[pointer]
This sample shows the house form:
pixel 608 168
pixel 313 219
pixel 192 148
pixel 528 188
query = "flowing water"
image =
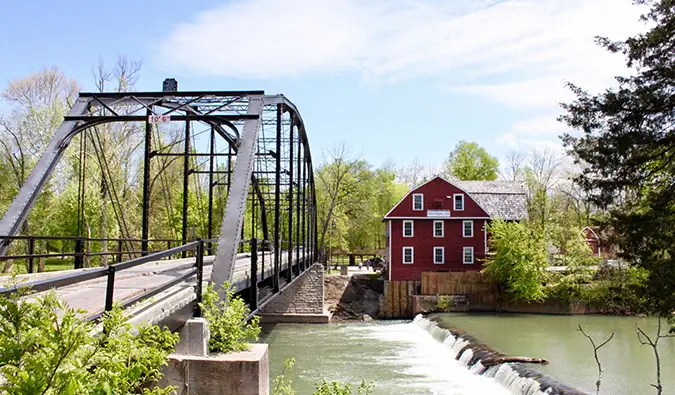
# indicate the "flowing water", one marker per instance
pixel 399 357
pixel 629 367
pixel 419 357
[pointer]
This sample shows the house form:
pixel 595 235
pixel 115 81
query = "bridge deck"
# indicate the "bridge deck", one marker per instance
pixel 129 283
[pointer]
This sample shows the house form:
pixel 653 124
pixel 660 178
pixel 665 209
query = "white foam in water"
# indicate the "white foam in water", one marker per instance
pixel 508 378
pixel 439 372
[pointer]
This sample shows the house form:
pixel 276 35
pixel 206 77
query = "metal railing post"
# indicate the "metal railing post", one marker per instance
pixel 254 275
pixel 79 251
pixel 31 252
pixel 200 276
pixel 110 289
pixel 119 251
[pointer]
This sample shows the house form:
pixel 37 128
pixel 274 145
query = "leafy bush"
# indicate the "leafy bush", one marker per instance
pixel 284 386
pixel 47 347
pixel 518 261
pixel 619 293
pixel 443 303
pixel 227 320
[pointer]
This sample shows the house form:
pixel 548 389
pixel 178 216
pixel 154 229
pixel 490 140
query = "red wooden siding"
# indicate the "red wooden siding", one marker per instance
pixel 424 242
pixel 437 189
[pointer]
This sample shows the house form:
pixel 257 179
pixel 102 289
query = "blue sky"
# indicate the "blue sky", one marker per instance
pixel 395 79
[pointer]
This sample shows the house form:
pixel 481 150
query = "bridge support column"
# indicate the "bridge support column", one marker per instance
pixel 302 301
pixel 194 338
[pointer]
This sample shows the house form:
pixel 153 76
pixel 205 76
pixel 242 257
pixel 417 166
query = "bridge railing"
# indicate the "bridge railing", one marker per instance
pixel 79 248
pixel 111 271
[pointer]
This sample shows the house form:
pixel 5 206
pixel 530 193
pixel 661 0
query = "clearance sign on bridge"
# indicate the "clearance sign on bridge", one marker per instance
pixel 159 118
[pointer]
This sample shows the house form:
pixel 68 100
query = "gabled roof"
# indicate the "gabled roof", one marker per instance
pixel 499 199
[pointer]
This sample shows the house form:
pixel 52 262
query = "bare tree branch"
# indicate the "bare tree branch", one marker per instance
pixel 595 354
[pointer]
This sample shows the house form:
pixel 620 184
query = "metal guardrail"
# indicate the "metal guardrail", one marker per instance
pixel 197 270
pixel 110 272
pixel 79 251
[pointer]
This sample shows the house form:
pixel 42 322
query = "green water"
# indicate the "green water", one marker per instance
pixel 399 357
pixel 629 366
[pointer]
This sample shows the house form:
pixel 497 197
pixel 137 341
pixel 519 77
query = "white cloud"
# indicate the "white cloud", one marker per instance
pixel 538 132
pixel 397 39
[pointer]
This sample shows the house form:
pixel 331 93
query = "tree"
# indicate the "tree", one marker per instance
pixel 519 260
pixel 470 161
pixel 628 149
pixel 514 169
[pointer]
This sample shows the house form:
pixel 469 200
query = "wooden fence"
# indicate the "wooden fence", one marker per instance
pixel 472 284
pixel 396 302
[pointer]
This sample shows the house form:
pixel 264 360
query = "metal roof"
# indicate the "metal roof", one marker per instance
pixel 501 199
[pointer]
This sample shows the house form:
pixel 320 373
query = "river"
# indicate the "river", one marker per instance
pixel 629 367
pixel 399 357
pixel 402 357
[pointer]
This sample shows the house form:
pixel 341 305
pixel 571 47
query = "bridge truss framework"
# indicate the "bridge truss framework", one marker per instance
pixel 268 172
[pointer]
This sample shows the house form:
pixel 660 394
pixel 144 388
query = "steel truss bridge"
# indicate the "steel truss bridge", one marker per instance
pixel 268 180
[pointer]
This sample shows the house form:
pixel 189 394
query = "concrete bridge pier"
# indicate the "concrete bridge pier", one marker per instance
pixel 193 371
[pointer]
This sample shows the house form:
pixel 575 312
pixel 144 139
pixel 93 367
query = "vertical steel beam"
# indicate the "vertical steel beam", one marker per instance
pixel 31 252
pixel 253 289
pixel 186 169
pixel 145 231
pixel 229 167
pixel 304 209
pixel 277 211
pixel 297 204
pixel 199 262
pixel 212 152
pixel 291 246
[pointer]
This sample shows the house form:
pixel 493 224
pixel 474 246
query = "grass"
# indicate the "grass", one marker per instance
pixel 51 265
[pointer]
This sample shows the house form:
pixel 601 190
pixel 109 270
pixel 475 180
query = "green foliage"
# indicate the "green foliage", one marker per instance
pixel 628 150
pixel 47 347
pixel 614 291
pixel 335 388
pixel 352 198
pixel 443 303
pixel 284 386
pixel 227 320
pixel 470 161
pixel 518 261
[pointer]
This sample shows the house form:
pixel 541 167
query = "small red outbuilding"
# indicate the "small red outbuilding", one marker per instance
pixel 440 225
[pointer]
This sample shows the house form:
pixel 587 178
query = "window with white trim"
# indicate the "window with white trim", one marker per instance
pixel 408 229
pixel 467 255
pixel 418 202
pixel 439 255
pixel 458 199
pixel 408 255
pixel 467 228
pixel 438 228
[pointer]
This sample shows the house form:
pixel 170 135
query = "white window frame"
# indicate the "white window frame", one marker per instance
pixel 464 228
pixel 421 195
pixel 442 228
pixel 412 228
pixel 454 202
pixel 464 250
pixel 412 255
pixel 442 249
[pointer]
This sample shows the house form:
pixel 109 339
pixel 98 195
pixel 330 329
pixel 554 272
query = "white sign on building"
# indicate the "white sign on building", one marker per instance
pixel 438 213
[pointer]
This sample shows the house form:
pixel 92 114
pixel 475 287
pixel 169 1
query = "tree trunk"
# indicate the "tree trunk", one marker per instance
pixel 500 360
pixel 41 265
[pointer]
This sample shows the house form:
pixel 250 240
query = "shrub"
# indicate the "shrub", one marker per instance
pixel 519 259
pixel 443 302
pixel 284 386
pixel 47 347
pixel 227 320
